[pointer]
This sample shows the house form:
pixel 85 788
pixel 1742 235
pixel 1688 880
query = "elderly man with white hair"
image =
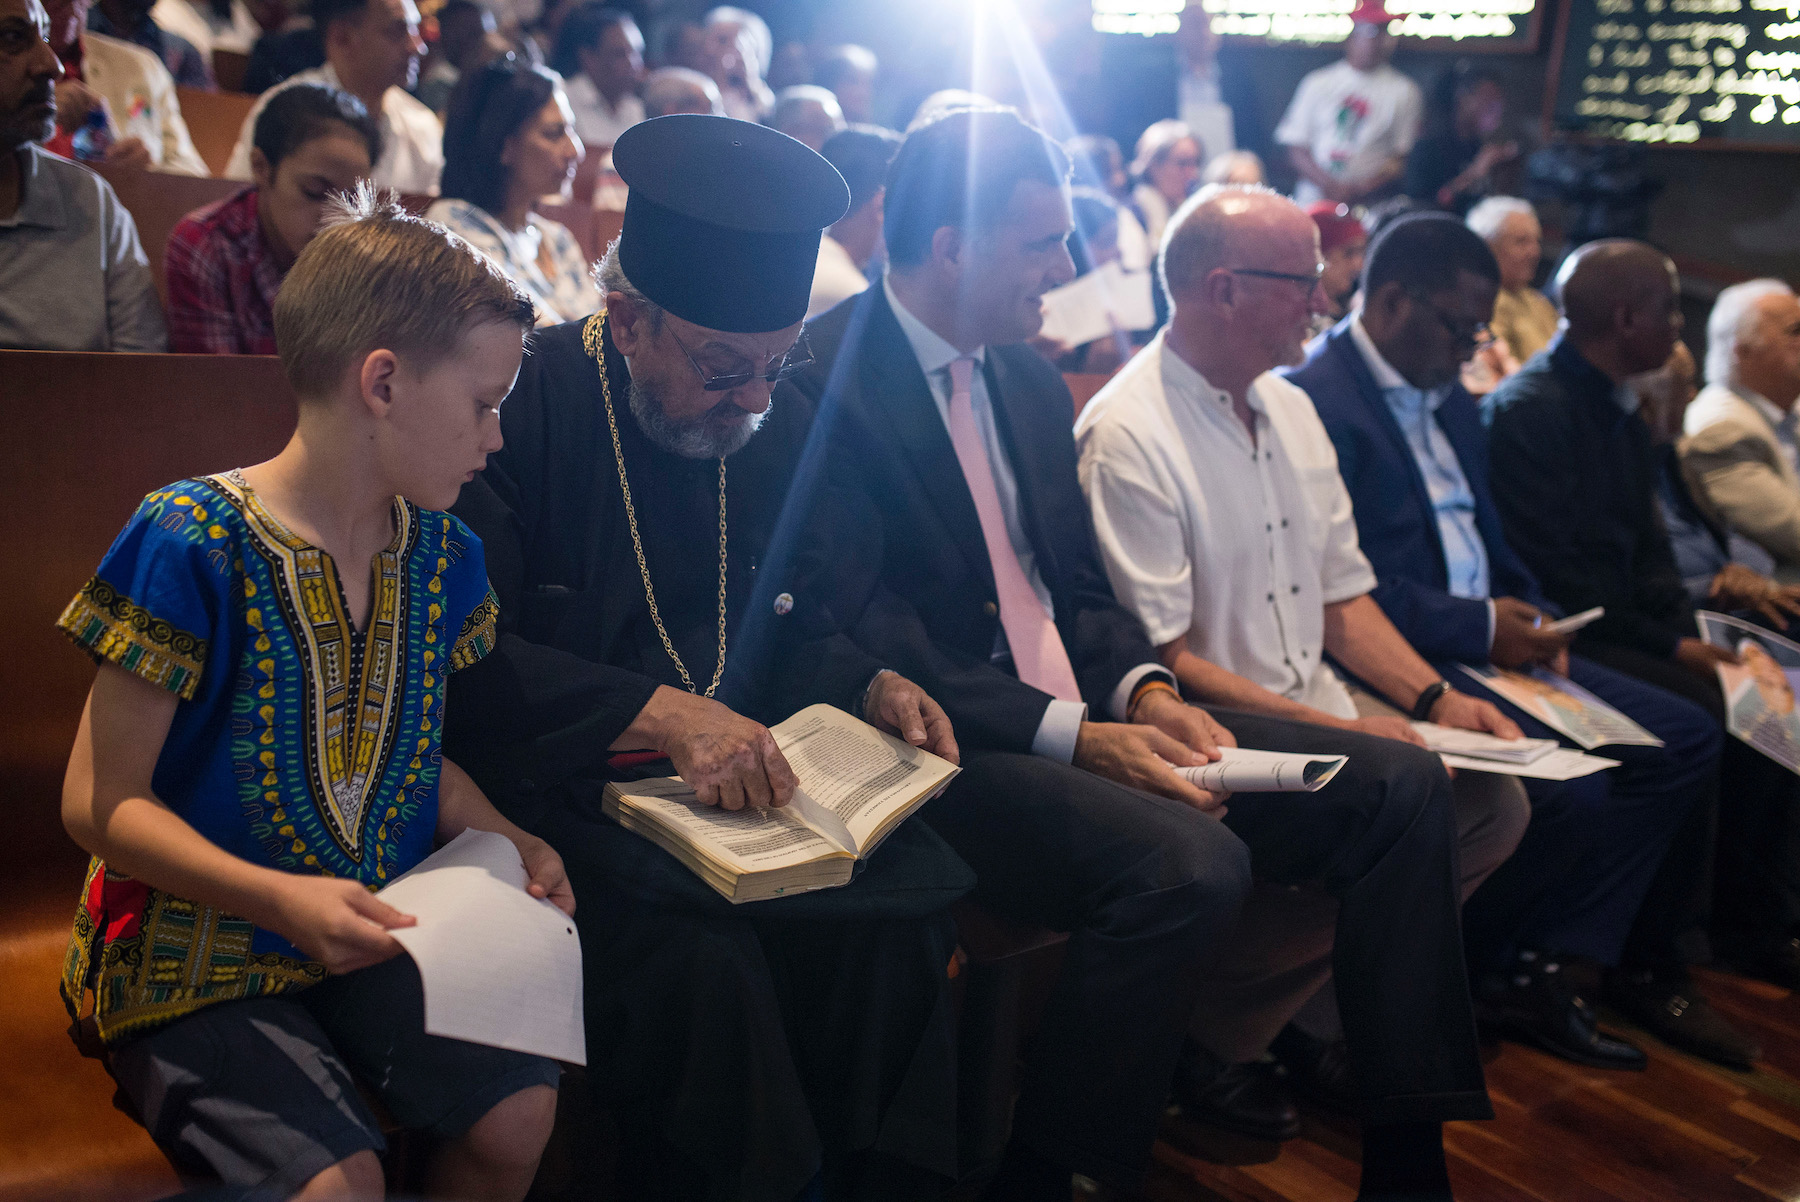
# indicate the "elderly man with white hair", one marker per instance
pixel 1524 318
pixel 1740 453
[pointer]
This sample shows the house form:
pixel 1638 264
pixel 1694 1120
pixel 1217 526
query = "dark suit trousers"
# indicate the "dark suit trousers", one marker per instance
pixel 1582 878
pixel 1382 839
pixel 1755 825
pixel 745 1048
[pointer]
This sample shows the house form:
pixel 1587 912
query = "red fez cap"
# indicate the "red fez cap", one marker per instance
pixel 1336 225
pixel 1370 12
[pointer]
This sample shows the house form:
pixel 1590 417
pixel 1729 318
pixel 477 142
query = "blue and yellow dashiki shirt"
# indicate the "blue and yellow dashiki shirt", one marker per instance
pixel 299 744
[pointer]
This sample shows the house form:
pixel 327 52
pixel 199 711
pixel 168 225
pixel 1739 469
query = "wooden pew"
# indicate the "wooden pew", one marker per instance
pixel 214 120
pixel 157 201
pixel 1083 386
pixel 96 432
pixel 593 228
pixel 229 68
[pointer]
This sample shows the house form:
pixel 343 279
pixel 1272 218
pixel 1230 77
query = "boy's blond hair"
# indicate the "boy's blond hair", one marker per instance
pixel 377 277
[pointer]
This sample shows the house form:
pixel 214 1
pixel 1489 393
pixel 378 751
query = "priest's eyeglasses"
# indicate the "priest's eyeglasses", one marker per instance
pixel 794 360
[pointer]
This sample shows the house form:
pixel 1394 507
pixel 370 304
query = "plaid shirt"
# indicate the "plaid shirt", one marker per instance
pixel 222 279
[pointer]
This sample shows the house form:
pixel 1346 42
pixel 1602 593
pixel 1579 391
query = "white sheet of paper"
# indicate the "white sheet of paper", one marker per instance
pixel 1129 297
pixel 1245 770
pixel 1077 313
pixel 499 966
pixel 1565 763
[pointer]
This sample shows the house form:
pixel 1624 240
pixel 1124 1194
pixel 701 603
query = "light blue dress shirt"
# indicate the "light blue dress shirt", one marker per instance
pixel 1452 500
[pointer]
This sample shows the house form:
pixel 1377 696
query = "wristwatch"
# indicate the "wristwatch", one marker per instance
pixel 1428 698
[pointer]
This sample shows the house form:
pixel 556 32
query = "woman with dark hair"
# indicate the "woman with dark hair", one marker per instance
pixel 1461 145
pixel 224 263
pixel 508 141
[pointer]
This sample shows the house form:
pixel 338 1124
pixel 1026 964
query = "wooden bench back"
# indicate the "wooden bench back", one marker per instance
pixel 215 119
pixel 157 201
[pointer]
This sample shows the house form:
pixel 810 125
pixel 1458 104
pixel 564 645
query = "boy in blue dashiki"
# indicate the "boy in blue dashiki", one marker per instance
pixel 260 750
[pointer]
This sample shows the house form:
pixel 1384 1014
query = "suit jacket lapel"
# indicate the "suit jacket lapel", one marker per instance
pixel 898 389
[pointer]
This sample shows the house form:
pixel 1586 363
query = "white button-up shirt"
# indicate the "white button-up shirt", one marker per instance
pixel 412 137
pixel 1061 723
pixel 1782 421
pixel 1233 544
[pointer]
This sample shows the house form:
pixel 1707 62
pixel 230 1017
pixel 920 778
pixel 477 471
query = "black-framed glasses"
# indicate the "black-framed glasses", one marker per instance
pixel 1308 282
pixel 794 360
pixel 1461 333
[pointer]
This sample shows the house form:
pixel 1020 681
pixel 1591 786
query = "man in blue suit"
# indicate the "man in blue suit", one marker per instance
pixel 1614 866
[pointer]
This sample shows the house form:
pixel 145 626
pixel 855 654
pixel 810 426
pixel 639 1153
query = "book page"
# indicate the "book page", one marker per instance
pixel 751 839
pixel 1759 689
pixel 1565 707
pixel 1245 770
pixel 498 966
pixel 856 772
pixel 1477 744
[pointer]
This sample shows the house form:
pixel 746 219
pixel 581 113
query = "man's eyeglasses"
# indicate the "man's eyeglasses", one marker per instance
pixel 1308 281
pixel 1477 334
pixel 793 361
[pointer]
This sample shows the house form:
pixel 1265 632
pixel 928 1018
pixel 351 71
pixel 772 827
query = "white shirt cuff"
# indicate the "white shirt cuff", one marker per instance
pixel 1491 620
pixel 1120 701
pixel 1056 734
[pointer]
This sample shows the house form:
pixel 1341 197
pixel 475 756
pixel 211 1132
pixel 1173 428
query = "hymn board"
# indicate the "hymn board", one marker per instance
pixel 1679 72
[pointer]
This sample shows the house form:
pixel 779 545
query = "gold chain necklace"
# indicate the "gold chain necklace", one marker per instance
pixel 591 339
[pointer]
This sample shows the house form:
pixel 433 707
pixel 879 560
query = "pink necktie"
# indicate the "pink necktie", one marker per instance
pixel 1037 649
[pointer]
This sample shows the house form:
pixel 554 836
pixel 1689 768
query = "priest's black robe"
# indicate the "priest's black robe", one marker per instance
pixel 740 1047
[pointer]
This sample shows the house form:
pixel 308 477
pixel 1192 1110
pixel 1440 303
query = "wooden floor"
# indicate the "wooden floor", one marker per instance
pixel 1683 1130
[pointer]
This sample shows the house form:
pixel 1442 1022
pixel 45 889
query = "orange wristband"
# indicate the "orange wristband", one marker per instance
pixel 1155 684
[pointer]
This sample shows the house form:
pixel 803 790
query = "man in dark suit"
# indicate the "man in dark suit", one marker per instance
pixel 1413 455
pixel 954 543
pixel 1575 477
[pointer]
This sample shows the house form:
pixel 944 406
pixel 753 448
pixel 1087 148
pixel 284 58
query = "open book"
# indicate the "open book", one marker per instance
pixel 856 785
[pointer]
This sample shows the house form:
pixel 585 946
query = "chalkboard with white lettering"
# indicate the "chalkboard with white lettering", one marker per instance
pixel 1680 72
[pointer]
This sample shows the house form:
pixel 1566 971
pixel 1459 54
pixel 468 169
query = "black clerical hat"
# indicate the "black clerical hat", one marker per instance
pixel 723 221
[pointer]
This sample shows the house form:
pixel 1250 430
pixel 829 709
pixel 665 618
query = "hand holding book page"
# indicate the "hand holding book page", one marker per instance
pixel 1759 689
pixel 1574 622
pixel 499 966
pixel 1564 707
pixel 1242 770
pixel 856 785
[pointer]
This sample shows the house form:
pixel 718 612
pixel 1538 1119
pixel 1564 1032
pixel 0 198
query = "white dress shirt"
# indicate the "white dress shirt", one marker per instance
pixel 1062 721
pixel 141 93
pixel 412 137
pixel 597 122
pixel 1781 421
pixel 1234 545
pixel 1452 500
pixel 201 26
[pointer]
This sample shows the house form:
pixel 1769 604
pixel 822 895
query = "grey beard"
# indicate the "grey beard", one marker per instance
pixel 720 432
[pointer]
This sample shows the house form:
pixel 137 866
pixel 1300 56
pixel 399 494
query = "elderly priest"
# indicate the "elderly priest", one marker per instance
pixel 751 1052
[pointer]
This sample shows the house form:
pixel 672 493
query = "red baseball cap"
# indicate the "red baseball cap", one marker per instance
pixel 1370 12
pixel 1336 224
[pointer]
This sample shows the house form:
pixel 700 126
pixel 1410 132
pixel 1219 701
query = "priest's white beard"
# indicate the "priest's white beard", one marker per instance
pixel 718 433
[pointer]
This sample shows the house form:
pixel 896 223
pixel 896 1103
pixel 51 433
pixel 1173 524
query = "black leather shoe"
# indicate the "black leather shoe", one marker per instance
pixel 1674 1011
pixel 1318 1070
pixel 1534 1005
pixel 1247 1099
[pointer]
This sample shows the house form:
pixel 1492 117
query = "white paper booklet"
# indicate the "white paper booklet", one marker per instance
pixel 856 785
pixel 1565 707
pixel 1759 690
pixel 499 966
pixel 1243 770
pixel 1094 305
pixel 1479 745
pixel 1564 763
